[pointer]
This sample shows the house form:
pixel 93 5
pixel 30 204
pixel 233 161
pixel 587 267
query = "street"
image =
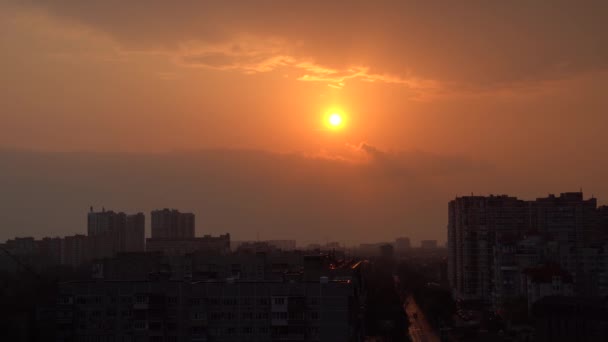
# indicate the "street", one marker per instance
pixel 420 330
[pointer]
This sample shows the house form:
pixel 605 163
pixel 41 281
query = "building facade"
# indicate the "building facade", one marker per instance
pixel 493 240
pixel 112 232
pixel 172 224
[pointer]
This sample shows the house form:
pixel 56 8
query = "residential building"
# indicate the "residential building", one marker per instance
pixel 75 250
pixel 327 307
pixel 565 319
pixel 172 224
pixel 493 239
pixel 114 232
pixel 547 280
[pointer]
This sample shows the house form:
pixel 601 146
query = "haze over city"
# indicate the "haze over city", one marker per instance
pixel 223 110
pixel 303 171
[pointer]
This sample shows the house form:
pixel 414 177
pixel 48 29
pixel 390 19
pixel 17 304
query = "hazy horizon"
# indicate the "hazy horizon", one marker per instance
pixel 363 195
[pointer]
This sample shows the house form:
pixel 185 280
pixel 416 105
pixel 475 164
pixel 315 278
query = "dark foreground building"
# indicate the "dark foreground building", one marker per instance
pixel 207 311
pixel 560 318
pixel 317 303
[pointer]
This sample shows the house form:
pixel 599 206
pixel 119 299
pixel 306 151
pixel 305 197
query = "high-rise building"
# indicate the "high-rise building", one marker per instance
pixel 492 240
pixel 568 218
pixel 170 223
pixel 402 245
pixel 111 232
pixel 474 225
pixel 133 236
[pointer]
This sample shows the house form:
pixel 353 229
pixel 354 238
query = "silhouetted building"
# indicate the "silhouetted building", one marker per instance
pixel 171 224
pixel 110 233
pixel 474 223
pixel 50 249
pixel 327 308
pixel 21 245
pixel 133 237
pixel 402 245
pixel 284 245
pixel 75 250
pixel 180 246
pixel 428 244
pixel 492 240
pixel 565 319
pixel 544 281
pixel 387 251
pixel 370 249
pixel 253 247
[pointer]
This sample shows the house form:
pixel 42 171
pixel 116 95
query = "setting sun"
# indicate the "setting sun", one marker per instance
pixel 335 119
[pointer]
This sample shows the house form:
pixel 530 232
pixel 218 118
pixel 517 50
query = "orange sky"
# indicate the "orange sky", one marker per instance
pixel 518 87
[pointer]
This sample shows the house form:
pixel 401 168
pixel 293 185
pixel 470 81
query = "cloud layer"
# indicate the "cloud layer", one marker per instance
pixel 474 44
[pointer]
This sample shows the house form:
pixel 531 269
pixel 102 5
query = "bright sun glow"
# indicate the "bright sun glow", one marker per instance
pixel 335 119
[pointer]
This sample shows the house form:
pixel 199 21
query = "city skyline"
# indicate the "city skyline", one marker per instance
pixel 303 171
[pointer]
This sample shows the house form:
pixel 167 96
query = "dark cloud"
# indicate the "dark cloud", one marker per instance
pixel 475 45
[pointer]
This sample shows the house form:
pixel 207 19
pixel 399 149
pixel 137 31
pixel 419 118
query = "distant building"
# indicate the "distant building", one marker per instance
pixel 402 245
pixel 75 250
pixel 284 245
pixel 387 251
pixel 428 244
pixel 370 249
pixel 333 245
pixel 253 247
pixel 50 249
pixel 111 232
pixel 181 246
pixel 133 237
pixel 21 245
pixel 313 247
pixel 171 224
